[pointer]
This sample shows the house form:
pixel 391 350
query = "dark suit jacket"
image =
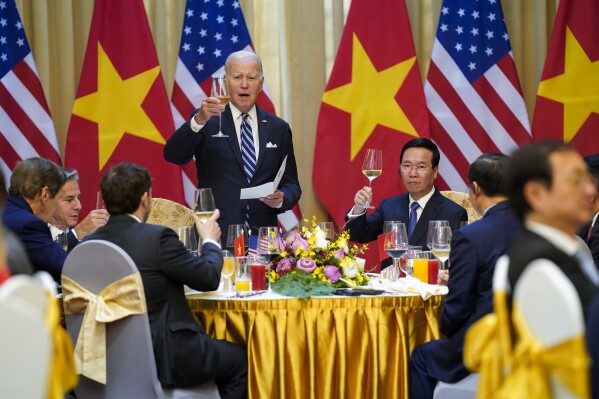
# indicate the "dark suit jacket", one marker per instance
pixel 368 228
pixel 16 256
pixel 592 240
pixel 529 246
pixel 219 166
pixel 34 233
pixel 592 332
pixel 183 354
pixel 474 252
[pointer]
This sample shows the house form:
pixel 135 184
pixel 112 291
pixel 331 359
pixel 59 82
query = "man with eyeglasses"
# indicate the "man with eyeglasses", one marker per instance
pixel 422 203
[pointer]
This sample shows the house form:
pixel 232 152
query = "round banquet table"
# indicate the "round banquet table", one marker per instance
pixel 326 347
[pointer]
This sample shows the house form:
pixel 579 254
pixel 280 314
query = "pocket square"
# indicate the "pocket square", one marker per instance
pixel 270 145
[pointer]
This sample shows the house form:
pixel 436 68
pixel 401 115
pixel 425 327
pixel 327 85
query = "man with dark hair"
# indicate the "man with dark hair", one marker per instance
pixel 590 232
pixel 16 257
pixel 66 217
pixel 418 169
pixel 551 191
pixel 185 355
pixel 474 252
pixel 31 203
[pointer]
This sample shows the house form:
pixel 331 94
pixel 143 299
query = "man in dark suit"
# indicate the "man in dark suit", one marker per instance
pixel 419 168
pixel 185 355
pixel 66 217
pixel 251 155
pixel 590 232
pixel 552 191
pixel 32 200
pixel 474 252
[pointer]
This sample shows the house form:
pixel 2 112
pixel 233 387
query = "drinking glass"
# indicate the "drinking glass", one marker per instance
pixel 243 275
pixel 185 234
pixel 421 267
pixel 204 207
pixel 396 241
pixel 219 90
pixel 269 243
pixel 387 226
pixel 431 227
pixel 328 228
pixel 372 167
pixel 100 201
pixel 237 239
pixel 228 270
pixel 259 269
pixel 409 256
pixel 442 244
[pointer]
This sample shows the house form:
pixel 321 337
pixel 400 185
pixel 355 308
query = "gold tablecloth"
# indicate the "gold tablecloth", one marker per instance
pixel 354 347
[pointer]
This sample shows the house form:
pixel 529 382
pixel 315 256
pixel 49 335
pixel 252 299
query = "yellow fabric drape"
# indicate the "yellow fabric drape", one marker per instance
pixel 122 298
pixel 324 347
pixel 63 374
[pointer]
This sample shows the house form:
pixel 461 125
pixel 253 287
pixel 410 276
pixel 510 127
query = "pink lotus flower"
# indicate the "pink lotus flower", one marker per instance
pixel 339 254
pixel 284 266
pixel 332 273
pixel 306 264
pixel 295 240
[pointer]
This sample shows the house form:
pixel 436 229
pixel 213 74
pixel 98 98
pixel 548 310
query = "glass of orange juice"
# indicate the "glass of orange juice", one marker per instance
pixel 243 275
pixel 421 265
pixel 228 270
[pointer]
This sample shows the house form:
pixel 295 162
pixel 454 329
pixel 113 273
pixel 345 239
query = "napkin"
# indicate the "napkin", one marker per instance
pixel 410 285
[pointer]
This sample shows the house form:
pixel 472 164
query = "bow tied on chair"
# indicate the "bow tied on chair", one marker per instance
pixel 120 299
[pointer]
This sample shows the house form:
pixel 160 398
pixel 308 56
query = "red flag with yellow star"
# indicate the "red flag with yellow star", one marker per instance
pixel 374 99
pixel 568 99
pixel 121 111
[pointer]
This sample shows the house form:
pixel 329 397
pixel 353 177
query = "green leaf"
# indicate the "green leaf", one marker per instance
pixel 301 285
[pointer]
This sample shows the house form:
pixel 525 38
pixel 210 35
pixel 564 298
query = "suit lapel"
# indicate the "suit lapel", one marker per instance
pixel 228 128
pixel 263 127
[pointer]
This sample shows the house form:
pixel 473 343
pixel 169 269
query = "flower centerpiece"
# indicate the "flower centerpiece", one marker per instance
pixel 311 264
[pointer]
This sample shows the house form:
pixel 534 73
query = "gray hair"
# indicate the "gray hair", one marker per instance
pixel 239 55
pixel 32 174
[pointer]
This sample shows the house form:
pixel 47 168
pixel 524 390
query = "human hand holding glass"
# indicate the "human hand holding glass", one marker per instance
pixel 372 167
pixel 219 90
pixel 441 243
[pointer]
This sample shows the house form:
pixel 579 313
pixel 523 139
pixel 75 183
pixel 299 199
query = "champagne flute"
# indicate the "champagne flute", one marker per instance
pixel 227 270
pixel 372 167
pixel 442 244
pixel 431 228
pixel 219 90
pixel 237 239
pixel 100 201
pixel 396 241
pixel 204 207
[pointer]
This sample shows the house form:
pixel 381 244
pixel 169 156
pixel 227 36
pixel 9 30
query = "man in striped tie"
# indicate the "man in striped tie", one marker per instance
pixel 254 146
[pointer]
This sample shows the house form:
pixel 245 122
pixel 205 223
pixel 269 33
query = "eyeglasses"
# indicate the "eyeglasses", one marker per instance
pixel 407 168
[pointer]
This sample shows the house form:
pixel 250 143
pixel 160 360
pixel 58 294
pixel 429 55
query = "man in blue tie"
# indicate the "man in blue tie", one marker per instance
pixel 419 167
pixel 251 154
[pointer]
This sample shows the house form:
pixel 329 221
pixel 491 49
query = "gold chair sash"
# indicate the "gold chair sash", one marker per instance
pixel 63 375
pixel 534 364
pixel 120 299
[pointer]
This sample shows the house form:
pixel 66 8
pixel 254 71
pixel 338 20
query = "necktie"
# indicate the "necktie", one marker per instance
pixel 248 158
pixel 413 218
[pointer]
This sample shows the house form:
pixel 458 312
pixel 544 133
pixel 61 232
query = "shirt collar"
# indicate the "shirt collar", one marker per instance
pixel 422 201
pixel 564 242
pixel 236 113
pixel 134 217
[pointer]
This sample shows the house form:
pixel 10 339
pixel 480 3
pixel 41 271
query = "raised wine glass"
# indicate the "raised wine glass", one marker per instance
pixel 219 90
pixel 442 244
pixel 372 167
pixel 396 241
pixel 204 207
pixel 431 228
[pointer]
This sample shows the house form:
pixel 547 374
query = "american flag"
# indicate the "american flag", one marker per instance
pixel 212 29
pixel 472 88
pixel 253 245
pixel 26 127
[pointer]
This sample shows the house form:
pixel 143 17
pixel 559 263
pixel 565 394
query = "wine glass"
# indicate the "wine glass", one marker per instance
pixel 396 241
pixel 100 201
pixel 227 270
pixel 237 239
pixel 328 228
pixel 219 90
pixel 372 167
pixel 441 243
pixel 62 240
pixel 204 207
pixel 269 243
pixel 431 227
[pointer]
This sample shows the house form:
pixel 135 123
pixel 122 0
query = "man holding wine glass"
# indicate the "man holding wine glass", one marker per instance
pixel 474 251
pixel 247 149
pixel 419 161
pixel 185 355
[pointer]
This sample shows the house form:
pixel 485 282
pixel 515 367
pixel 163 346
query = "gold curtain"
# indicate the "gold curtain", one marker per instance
pixel 297 41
